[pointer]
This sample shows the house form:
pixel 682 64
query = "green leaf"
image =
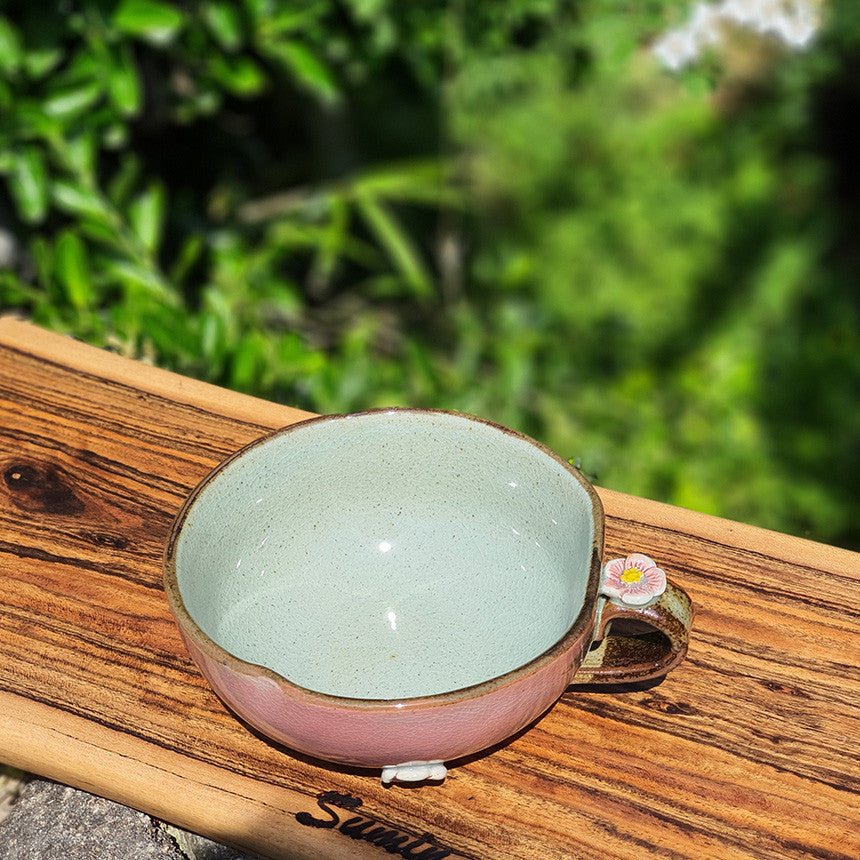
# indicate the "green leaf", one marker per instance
pixel 45 37
pixel 15 292
pixel 72 101
pixel 155 21
pixel 212 340
pixel 188 255
pixel 397 244
pixel 140 279
pixel 79 153
pixel 78 200
pixel 306 67
pixel 255 9
pixel 28 183
pixel 272 21
pixel 32 121
pixel 10 48
pixel 123 83
pixel 125 179
pixel 240 75
pixel 249 361
pixel 222 19
pixel 415 182
pixel 331 245
pixel 367 10
pixel 72 270
pixel 100 232
pixel 39 61
pixel 43 256
pixel 146 215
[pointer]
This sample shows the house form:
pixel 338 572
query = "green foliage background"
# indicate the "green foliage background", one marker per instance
pixel 498 206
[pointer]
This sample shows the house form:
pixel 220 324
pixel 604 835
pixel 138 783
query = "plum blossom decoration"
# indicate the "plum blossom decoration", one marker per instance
pixel 634 580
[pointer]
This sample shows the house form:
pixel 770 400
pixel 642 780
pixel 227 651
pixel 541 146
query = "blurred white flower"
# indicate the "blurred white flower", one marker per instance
pixel 794 22
pixel 747 13
pixel 677 48
pixel 770 13
pixel 706 23
pixel 796 30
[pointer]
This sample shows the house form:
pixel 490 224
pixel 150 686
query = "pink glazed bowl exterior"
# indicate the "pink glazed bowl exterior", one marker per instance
pixel 377 733
pixel 371 733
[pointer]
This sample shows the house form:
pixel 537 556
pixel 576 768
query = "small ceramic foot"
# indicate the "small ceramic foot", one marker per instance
pixel 414 771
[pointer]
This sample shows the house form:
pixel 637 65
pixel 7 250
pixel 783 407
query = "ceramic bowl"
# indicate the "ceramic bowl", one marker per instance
pixel 392 589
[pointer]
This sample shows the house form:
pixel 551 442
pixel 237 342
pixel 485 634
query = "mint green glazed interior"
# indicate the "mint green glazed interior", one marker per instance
pixel 388 554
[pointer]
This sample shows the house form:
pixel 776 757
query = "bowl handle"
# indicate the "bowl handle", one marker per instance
pixel 642 626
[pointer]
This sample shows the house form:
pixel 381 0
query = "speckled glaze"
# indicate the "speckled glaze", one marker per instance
pixel 395 586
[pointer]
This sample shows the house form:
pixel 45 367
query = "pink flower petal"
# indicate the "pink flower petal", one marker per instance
pixel 640 561
pixel 615 567
pixel 656 579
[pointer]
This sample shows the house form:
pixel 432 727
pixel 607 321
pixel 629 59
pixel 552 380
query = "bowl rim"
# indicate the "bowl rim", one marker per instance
pixel 213 651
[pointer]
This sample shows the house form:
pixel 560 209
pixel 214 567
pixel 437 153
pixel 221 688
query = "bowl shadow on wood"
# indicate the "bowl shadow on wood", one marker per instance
pixel 353 770
pixel 628 687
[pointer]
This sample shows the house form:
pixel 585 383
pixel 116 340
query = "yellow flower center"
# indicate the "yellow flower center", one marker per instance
pixel 632 574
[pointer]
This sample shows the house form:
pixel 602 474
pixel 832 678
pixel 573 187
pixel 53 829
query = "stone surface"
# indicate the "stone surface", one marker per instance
pixel 11 781
pixel 49 821
pixel 196 847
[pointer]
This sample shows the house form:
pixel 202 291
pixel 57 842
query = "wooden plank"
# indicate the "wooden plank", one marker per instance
pixel 747 750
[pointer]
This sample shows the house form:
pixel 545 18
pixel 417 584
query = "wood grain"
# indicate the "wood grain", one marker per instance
pixel 749 749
